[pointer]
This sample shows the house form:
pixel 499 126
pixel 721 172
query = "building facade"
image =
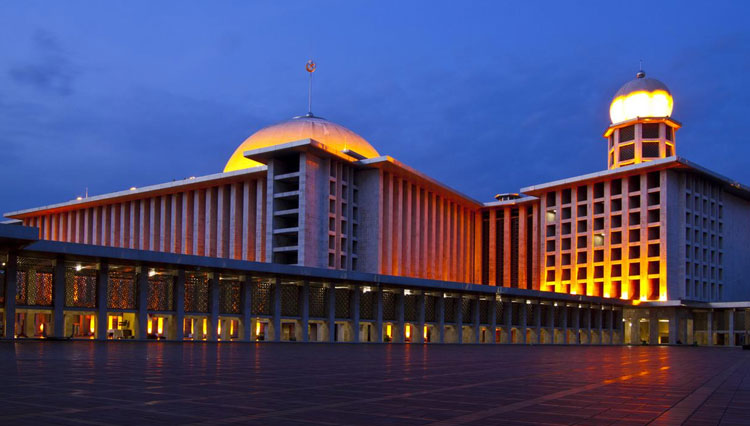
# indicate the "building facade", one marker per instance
pixel 310 234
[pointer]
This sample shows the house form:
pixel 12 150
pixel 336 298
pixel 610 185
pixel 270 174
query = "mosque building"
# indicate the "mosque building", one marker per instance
pixel 310 234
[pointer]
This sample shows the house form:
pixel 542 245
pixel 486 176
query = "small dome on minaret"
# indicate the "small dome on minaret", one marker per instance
pixel 641 97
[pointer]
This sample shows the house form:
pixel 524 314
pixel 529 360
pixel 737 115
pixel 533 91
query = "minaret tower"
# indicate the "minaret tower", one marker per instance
pixel 641 128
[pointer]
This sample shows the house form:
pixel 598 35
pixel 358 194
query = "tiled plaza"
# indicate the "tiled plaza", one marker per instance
pixel 339 384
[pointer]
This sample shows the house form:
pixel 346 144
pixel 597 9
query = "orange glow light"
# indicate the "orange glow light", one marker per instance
pixel 407 332
pixel 231 328
pixel 92 326
pixel 388 331
pixel 205 327
pixel 150 326
pixel 425 332
pixel 641 104
pixel 218 329
pixel 160 325
pixel 257 328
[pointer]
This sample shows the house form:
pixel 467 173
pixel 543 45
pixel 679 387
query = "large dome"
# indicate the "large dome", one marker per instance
pixel 641 97
pixel 336 137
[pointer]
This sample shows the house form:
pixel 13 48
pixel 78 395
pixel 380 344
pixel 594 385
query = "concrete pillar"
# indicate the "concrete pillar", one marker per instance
pixel 492 318
pixel 576 324
pixel 710 327
pixel 599 324
pixel 58 298
pixel 246 300
pixel 564 322
pixel 11 275
pixel 522 325
pixel 418 335
pixel 178 326
pixel 674 326
pixel 102 283
pixel 653 327
pixel 141 331
pixel 441 316
pixel 611 329
pixel 276 312
pixel 305 314
pixel 475 320
pixel 538 321
pixel 401 329
pixel 331 313
pixel 460 318
pixel 354 310
pixel 730 324
pixel 213 308
pixel 379 314
pixel 507 318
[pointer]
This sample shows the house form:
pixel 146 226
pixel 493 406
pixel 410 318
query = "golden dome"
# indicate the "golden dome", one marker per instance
pixel 336 137
pixel 642 97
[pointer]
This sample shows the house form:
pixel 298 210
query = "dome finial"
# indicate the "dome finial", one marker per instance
pixel 310 68
pixel 641 73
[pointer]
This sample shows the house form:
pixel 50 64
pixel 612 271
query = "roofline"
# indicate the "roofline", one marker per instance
pixel 134 194
pixel 262 154
pixel 385 161
pixel 602 175
pixel 524 199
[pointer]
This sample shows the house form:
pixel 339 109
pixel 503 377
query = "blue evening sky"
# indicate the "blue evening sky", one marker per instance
pixel 485 96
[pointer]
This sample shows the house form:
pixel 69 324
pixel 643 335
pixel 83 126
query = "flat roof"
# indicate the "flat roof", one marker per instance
pixel 730 185
pixel 138 193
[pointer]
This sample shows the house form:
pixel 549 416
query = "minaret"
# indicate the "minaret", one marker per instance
pixel 641 128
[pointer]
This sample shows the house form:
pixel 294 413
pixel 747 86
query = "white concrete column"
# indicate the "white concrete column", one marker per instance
pixel 142 303
pixel 440 312
pixel 213 308
pixel 400 333
pixel 305 313
pixel 178 326
pixel 418 335
pixel 379 314
pixel 492 318
pixel 276 294
pixel 460 318
pixel 58 298
pixel 356 291
pixel 331 302
pixel 247 303
pixel 523 323
pixel 476 318
pixel 730 324
pixel 102 283
pixel 11 277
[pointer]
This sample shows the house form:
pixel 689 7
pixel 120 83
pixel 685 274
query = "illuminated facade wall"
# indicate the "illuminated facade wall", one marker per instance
pixel 421 230
pixel 510 244
pixel 220 218
pixel 607 238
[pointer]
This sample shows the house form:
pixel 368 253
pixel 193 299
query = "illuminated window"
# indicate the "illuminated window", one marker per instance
pixel 650 130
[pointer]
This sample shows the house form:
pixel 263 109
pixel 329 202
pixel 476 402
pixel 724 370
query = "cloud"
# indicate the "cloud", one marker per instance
pixel 50 71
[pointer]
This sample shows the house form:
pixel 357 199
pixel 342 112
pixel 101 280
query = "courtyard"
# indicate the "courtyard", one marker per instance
pixel 340 384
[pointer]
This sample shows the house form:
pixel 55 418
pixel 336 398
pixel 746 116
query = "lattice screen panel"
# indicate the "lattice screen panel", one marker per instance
pixel 290 294
pixel 262 296
pixel 343 303
pixel 161 293
pixel 80 288
pixel 121 290
pixel 34 281
pixel 196 292
pixel 230 293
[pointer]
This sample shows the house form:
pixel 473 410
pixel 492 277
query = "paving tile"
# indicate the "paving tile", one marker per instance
pixel 98 383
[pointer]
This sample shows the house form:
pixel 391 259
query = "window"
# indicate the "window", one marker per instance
pixel 650 149
pixel 627 134
pixel 627 152
pixel 650 130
